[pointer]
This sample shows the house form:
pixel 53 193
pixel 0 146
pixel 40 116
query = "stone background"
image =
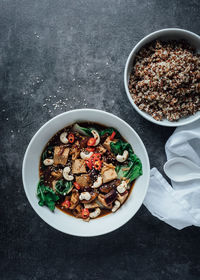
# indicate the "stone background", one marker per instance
pixel 74 52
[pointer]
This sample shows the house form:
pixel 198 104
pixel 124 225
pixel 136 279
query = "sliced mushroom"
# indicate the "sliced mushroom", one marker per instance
pixel 106 188
pixel 91 205
pixel 75 150
pixel 83 142
pixel 122 198
pixel 57 174
pixel 74 199
pixel 101 199
pixel 78 211
pixel 111 196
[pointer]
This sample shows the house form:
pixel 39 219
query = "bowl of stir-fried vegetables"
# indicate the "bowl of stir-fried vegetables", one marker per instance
pixel 110 154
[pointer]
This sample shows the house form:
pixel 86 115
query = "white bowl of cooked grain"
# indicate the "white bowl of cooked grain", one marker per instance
pixel 162 77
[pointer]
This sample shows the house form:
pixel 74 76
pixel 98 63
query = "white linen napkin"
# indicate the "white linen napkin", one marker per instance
pixel 177 205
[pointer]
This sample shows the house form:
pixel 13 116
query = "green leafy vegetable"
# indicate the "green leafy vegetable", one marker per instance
pixel 119 147
pixel 131 171
pixel 82 130
pixel 46 195
pixel 48 153
pixel 134 167
pixel 109 131
pixel 63 188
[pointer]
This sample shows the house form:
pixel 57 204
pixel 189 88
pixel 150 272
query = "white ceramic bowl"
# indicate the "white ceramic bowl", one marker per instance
pixel 60 220
pixel 163 35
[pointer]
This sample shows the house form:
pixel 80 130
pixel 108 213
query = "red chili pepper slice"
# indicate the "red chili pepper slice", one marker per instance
pixel 71 138
pixel 112 136
pixel 89 163
pixel 96 156
pixel 85 213
pixel 91 141
pixel 97 164
pixel 90 149
pixel 66 203
pixel 77 186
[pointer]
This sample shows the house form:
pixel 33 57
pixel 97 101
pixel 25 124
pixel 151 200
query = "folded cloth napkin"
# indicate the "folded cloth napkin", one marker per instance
pixel 177 205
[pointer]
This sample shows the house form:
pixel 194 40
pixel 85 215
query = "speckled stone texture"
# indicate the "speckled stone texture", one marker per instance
pixel 77 50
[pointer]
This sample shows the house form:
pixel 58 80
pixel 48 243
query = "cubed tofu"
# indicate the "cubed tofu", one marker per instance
pixel 60 155
pixel 109 175
pixel 78 166
pixel 84 180
pixel 107 142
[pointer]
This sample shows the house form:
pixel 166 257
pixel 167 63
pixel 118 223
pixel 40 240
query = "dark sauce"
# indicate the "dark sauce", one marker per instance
pixel 46 171
pixel 104 212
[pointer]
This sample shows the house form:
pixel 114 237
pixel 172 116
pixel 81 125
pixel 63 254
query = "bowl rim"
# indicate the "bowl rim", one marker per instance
pixel 133 52
pixel 117 226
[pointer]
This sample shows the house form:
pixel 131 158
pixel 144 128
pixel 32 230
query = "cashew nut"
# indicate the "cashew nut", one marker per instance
pixel 96 213
pixel 98 182
pixel 96 136
pixel 116 206
pixel 122 187
pixel 66 175
pixel 48 161
pixel 63 138
pixel 85 156
pixel 85 196
pixel 123 157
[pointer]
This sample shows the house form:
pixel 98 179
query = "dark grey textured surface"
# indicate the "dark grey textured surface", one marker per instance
pixel 78 49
